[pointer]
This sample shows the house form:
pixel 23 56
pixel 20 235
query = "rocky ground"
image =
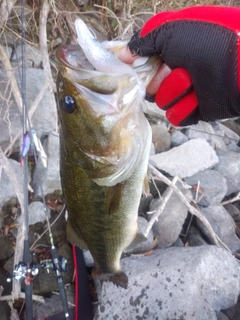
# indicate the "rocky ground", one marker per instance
pixel 185 270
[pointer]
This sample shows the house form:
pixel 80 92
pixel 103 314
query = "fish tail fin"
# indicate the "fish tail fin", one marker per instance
pixel 119 278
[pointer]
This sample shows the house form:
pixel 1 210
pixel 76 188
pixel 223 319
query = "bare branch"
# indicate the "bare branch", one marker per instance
pixel 215 239
pixel 236 198
pixel 160 209
pixel 5 9
pixel 22 296
pixel 44 50
pixel 17 186
pixel 11 77
pixel 43 42
pixel 31 112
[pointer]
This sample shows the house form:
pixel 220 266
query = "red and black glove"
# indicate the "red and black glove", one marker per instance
pixel 202 46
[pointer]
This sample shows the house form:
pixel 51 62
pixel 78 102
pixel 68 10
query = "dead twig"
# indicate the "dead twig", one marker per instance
pixel 120 30
pixel 44 50
pixel 215 239
pixel 5 9
pixel 17 186
pixel 30 114
pixel 43 42
pixel 160 209
pixel 22 296
pixel 236 198
pixel 32 247
pixel 11 77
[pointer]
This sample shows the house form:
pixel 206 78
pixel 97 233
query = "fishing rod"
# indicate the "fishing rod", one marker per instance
pixel 26 271
pixel 26 251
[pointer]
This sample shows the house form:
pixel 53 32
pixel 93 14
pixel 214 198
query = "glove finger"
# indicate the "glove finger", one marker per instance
pixel 177 84
pixel 141 46
pixel 143 42
pixel 185 111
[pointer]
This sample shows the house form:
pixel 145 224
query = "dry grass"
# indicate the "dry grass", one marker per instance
pixel 109 17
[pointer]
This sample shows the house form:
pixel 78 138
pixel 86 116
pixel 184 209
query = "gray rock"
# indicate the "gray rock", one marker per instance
pixel 146 245
pixel 210 132
pixel 175 283
pixel 178 243
pixel 233 125
pixel 6 188
pixel 218 142
pixel 221 316
pixel 49 177
pixel 195 238
pixel 178 138
pixel 5 310
pixel 169 224
pixel 52 305
pixel 228 132
pixel 36 212
pixel 223 225
pixel 32 55
pixel 152 150
pixel 153 110
pixel 232 210
pixel 233 312
pixel 187 159
pixel 161 138
pixel 229 167
pixel 202 130
pixel 232 146
pixel 213 186
pixel 44 118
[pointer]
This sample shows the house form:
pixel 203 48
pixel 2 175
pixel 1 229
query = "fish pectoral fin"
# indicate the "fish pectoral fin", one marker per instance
pixel 114 196
pixel 146 189
pixel 74 238
pixel 137 240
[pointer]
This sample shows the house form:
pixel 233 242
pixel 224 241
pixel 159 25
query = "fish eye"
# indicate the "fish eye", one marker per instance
pixel 68 104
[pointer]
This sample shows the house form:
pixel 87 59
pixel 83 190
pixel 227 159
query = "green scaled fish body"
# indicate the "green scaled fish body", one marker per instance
pixel 104 147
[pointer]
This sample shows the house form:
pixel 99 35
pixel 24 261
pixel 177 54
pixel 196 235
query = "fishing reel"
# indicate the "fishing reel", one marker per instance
pixel 59 264
pixel 22 272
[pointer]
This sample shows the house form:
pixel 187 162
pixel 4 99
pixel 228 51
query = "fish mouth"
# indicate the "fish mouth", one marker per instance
pixel 72 56
pixel 74 63
pixel 75 67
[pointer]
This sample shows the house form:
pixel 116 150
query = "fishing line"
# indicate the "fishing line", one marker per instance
pixel 212 134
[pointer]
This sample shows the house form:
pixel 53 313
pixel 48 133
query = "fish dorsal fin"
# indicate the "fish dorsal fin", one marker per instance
pixel 136 241
pixel 75 238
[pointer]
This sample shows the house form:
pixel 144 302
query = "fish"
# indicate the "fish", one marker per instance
pixel 105 143
pixel 99 57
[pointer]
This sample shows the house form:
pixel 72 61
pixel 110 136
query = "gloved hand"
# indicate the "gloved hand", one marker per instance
pixel 202 47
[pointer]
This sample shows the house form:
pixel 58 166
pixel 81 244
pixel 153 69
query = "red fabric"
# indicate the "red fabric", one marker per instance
pixel 227 17
pixel 177 82
pixel 76 282
pixel 182 109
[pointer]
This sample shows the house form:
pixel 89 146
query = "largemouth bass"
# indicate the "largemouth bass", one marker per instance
pixel 104 148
